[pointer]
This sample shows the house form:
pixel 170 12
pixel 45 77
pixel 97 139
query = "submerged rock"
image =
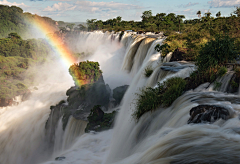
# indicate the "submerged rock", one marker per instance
pixel 60 158
pixel 208 113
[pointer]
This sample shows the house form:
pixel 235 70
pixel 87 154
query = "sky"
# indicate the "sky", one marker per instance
pixel 81 10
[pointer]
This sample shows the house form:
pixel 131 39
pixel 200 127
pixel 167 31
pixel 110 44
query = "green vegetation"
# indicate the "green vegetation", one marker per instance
pixel 148 71
pixel 220 50
pixel 163 95
pixel 98 120
pixel 86 72
pixel 222 71
pixel 13 20
pixel 16 55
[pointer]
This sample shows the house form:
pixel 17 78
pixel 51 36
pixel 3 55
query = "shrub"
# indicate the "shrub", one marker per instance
pixel 217 52
pixel 148 71
pixel 85 72
pixel 164 94
pixel 222 71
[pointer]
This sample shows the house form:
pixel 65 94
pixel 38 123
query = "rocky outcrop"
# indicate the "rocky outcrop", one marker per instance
pixel 52 122
pixel 178 55
pixel 89 90
pixel 5 102
pixel 208 114
pixel 99 121
pixel 119 92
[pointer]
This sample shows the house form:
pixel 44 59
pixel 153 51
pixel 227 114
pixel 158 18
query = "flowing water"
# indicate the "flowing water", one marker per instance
pixel 162 136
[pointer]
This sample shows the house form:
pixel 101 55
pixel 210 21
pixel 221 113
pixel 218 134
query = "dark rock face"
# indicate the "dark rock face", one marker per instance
pixel 60 158
pixel 99 121
pixel 178 55
pixel 6 102
pixel 208 113
pixel 52 122
pixel 26 95
pixel 79 103
pixel 119 92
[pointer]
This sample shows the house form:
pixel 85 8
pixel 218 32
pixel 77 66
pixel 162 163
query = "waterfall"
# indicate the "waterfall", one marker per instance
pixel 141 54
pixel 22 130
pixel 131 51
pixel 160 136
pixel 74 129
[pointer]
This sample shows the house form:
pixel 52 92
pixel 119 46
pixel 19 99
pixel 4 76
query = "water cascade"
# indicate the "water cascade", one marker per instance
pixel 160 136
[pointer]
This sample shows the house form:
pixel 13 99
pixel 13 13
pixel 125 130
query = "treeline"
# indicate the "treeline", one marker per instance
pixel 162 22
pixel 12 19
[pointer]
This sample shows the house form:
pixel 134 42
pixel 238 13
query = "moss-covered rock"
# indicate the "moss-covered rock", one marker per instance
pixel 82 98
pixel 86 72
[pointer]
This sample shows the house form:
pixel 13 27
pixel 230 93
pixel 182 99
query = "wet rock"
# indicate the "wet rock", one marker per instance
pixel 60 158
pixel 26 95
pixel 99 121
pixel 119 92
pixel 5 102
pixel 208 113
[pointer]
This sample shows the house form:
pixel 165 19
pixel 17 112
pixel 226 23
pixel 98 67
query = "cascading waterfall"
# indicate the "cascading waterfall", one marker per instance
pixel 22 130
pixel 22 136
pixel 74 129
pixel 161 136
pixel 131 51
pixel 141 54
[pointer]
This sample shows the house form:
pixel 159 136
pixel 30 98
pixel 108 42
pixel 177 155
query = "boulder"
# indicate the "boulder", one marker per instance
pixel 59 158
pixel 119 92
pixel 208 114
pixel 178 55
pixel 99 121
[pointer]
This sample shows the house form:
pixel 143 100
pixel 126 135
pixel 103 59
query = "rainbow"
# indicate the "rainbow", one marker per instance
pixel 54 41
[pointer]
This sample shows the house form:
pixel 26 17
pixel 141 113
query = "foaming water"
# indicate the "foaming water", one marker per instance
pixel 22 127
pixel 161 136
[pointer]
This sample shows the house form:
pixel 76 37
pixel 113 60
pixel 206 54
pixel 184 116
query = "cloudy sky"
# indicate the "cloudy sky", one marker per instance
pixel 81 10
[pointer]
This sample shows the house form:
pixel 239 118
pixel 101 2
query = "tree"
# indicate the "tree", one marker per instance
pixel 218 14
pixel 199 14
pixel 208 14
pixel 237 11
pixel 146 15
pixel 70 26
pixel 14 35
pixel 180 17
pixel 91 24
pixel 82 27
pixel 218 51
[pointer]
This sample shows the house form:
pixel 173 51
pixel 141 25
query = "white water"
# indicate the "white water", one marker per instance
pixel 22 126
pixel 159 137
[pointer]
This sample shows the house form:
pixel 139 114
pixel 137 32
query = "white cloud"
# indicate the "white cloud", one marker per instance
pixel 224 3
pixel 60 7
pixel 187 10
pixel 188 5
pixel 91 7
pixel 5 2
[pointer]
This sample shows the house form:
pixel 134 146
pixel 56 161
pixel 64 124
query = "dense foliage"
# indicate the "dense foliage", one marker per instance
pixel 163 95
pixel 12 19
pixel 85 72
pixel 16 55
pixel 216 52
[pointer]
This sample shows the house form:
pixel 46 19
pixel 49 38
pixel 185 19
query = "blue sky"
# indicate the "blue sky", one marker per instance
pixel 81 10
